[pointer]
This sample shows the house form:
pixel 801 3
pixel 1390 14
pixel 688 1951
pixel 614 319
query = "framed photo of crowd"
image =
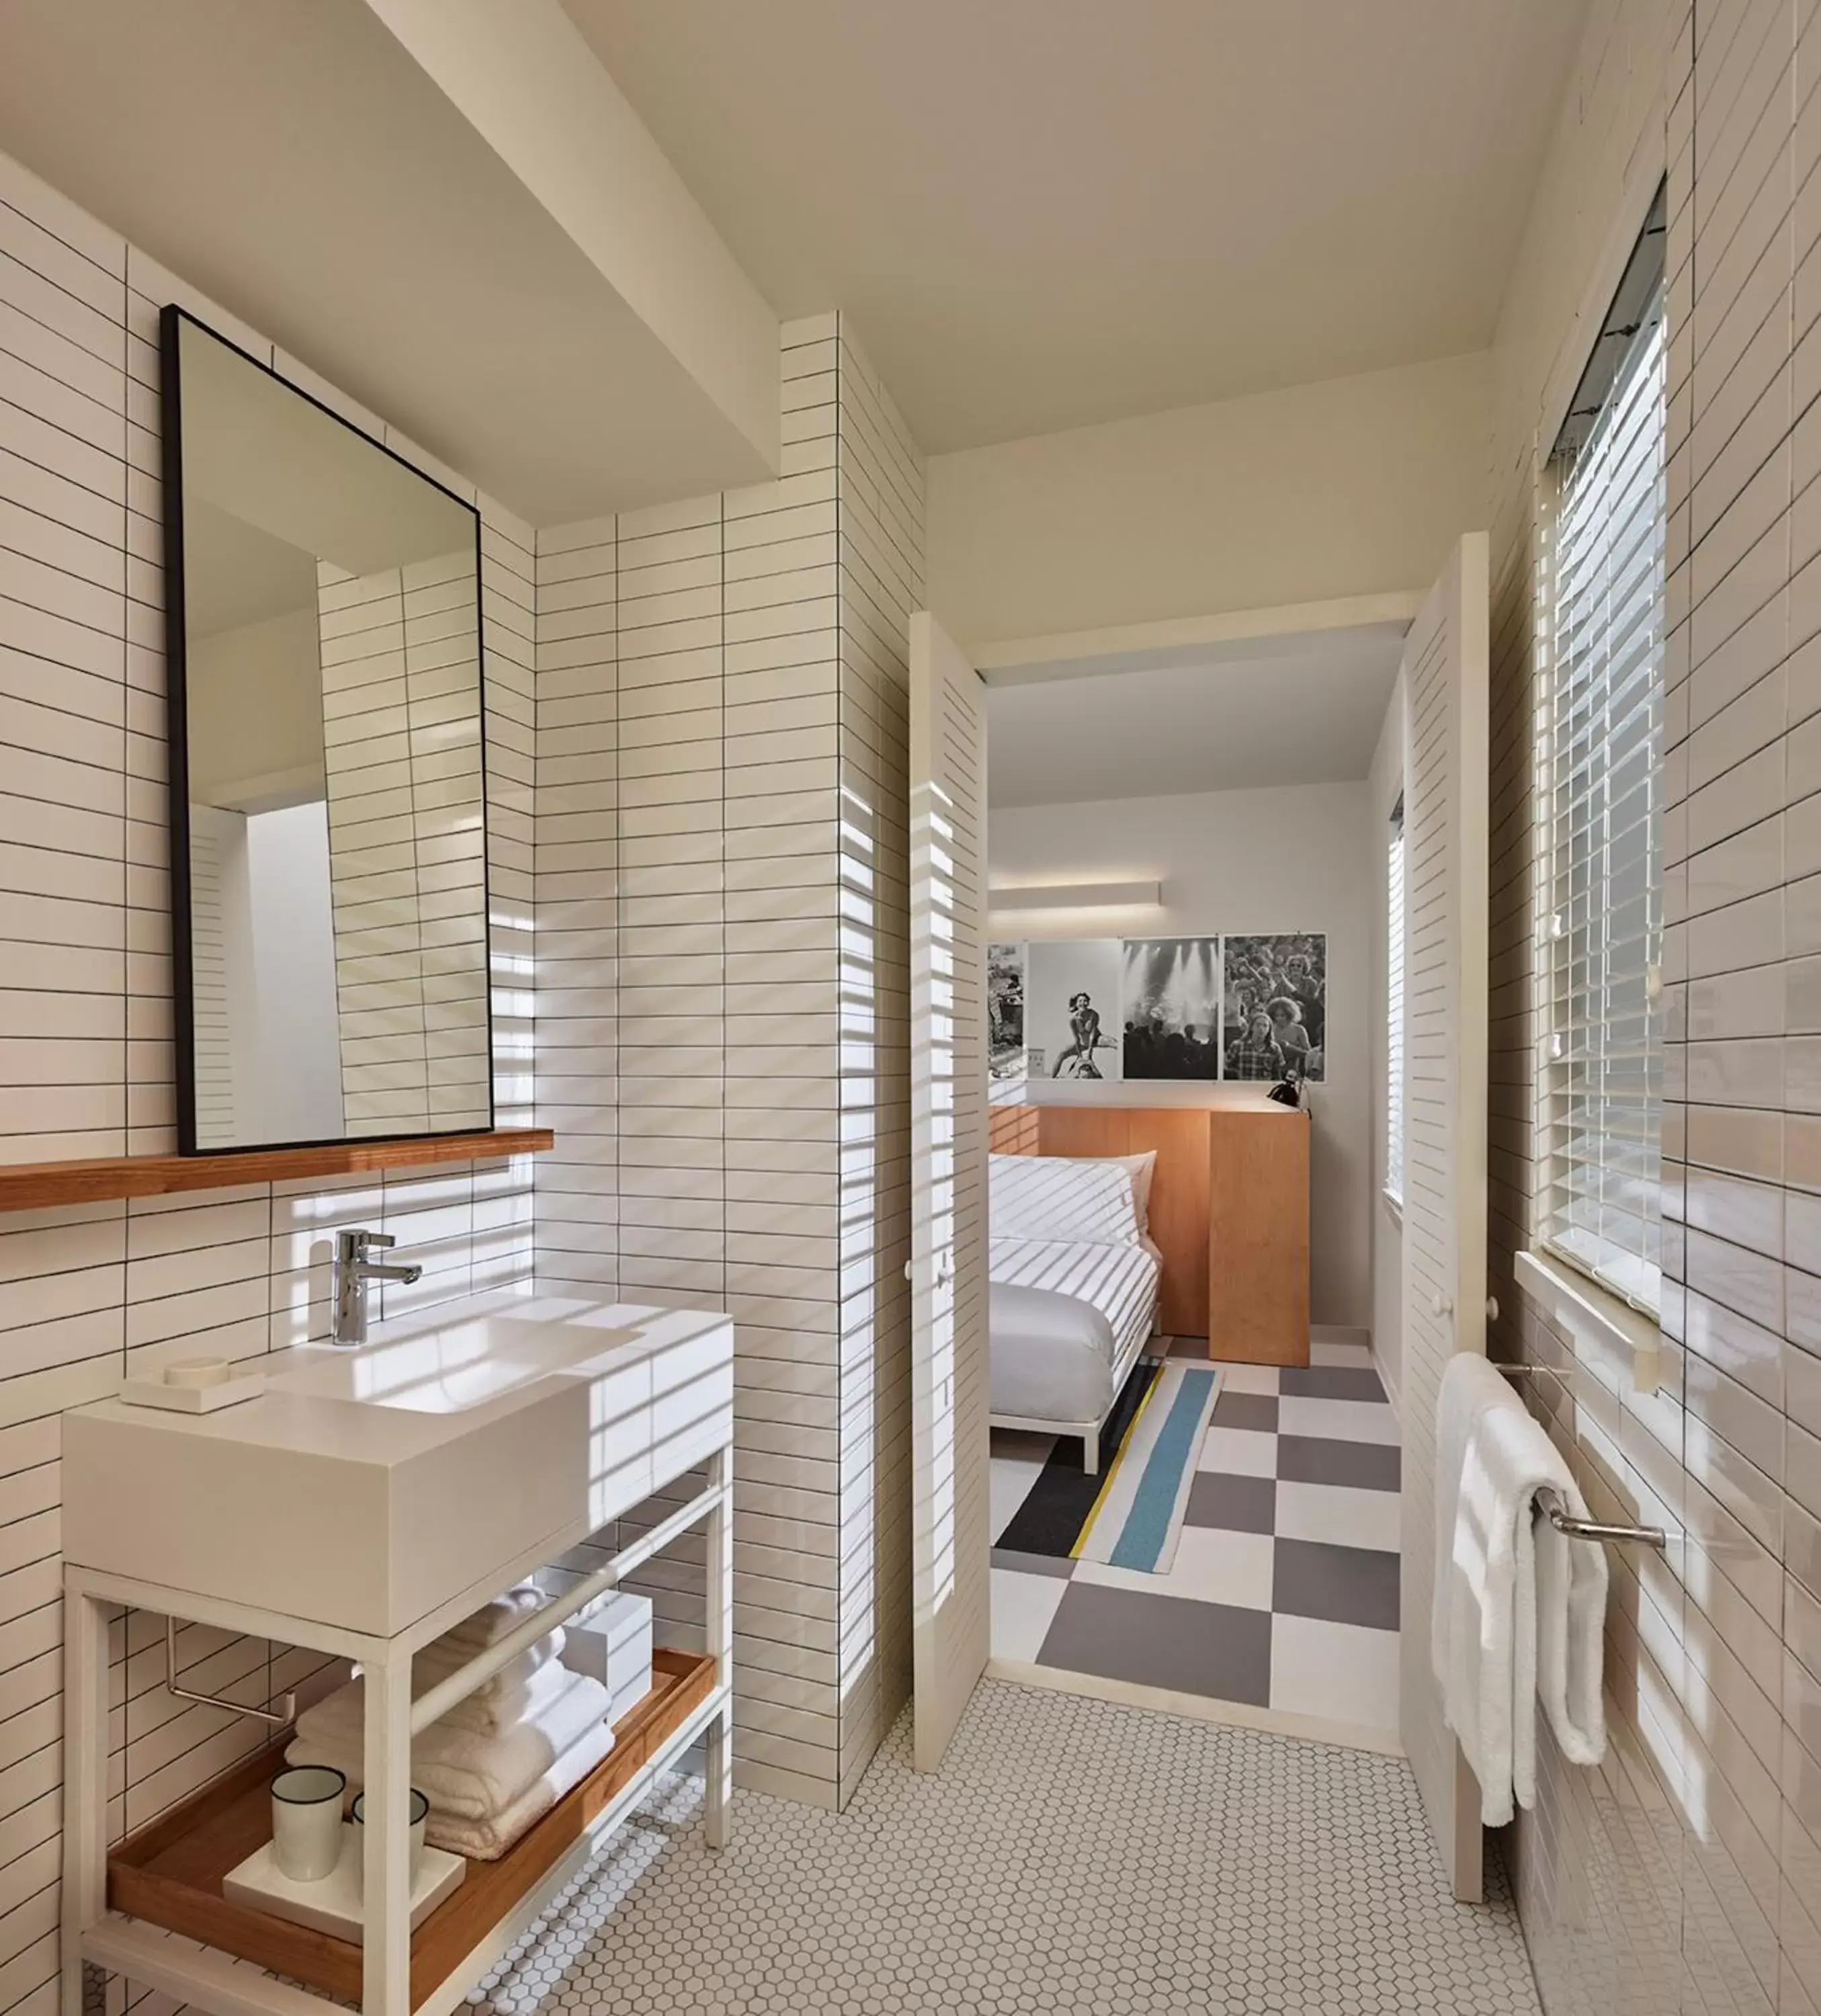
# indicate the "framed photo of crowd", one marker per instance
pixel 1250 1007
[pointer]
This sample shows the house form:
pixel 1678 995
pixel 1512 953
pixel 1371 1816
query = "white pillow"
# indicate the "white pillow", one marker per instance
pixel 1055 1196
pixel 1140 1168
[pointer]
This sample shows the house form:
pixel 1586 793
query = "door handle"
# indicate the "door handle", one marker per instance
pixel 1441 1305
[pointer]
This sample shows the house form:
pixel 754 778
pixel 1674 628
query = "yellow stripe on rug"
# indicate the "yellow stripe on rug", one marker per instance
pixel 1074 1553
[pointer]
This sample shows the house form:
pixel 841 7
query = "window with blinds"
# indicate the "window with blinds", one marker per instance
pixel 1394 1122
pixel 1600 1080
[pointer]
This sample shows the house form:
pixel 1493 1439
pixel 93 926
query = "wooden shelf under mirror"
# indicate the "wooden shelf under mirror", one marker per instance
pixel 39 1185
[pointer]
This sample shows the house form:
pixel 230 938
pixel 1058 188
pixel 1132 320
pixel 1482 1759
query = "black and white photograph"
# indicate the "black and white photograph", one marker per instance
pixel 1171 990
pixel 1274 1021
pixel 1005 1010
pixel 1071 1010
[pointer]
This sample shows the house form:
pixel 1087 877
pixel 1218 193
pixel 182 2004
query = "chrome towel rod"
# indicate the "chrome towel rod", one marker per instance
pixel 1595 1529
pixel 1586 1529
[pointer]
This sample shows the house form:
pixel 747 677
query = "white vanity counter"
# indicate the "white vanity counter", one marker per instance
pixel 370 1485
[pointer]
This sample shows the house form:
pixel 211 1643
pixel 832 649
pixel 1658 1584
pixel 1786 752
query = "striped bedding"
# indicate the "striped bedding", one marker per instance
pixel 1063 1313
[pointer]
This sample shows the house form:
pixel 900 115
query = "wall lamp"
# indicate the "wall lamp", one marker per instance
pixel 1076 896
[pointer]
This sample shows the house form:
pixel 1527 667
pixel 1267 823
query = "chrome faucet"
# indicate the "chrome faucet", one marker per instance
pixel 353 1271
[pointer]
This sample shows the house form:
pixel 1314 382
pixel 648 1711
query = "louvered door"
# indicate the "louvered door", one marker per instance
pixel 950 1535
pixel 1446 785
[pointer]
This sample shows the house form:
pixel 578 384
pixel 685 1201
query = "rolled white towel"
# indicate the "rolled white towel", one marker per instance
pixel 437 1661
pixel 487 1840
pixel 493 1620
pixel 467 1775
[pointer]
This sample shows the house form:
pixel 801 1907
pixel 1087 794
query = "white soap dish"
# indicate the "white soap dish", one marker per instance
pixel 191 1399
pixel 333 1906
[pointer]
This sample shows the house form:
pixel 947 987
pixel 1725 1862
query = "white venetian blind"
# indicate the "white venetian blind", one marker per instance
pixel 1394 1162
pixel 1601 1079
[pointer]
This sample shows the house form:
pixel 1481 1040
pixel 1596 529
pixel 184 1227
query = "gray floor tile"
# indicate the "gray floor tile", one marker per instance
pixel 1163 1641
pixel 1331 1382
pixel 1244 1504
pixel 1325 1460
pixel 1059 1565
pixel 1247 1410
pixel 1342 1585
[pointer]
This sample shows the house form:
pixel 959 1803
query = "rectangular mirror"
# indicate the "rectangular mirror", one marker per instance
pixel 328 782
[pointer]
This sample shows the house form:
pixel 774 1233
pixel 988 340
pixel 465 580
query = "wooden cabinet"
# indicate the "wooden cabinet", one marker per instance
pixel 1258 1235
pixel 1229 1212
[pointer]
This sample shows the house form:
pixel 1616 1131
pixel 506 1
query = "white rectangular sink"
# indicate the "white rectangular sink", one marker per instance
pixel 448 1369
pixel 368 1487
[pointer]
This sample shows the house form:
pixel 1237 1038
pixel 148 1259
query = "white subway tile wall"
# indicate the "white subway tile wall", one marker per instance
pixel 722 1005
pixel 1685 1874
pixel 85 1049
pixel 401 675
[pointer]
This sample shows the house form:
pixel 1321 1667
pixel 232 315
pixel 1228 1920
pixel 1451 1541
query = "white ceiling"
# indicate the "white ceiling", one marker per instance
pixel 292 161
pixel 1294 710
pixel 1045 212
pixel 234 573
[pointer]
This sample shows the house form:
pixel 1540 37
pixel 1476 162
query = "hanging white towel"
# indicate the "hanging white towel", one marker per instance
pixel 1487 1631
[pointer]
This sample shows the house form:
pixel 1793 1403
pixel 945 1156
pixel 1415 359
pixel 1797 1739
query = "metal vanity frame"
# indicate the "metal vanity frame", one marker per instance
pixel 215 1981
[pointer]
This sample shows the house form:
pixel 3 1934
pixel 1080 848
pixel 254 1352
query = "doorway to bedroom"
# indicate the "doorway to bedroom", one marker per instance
pixel 1195 1463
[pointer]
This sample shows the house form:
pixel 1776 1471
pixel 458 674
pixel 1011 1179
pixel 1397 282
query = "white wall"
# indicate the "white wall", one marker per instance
pixel 86 1066
pixel 1358 486
pixel 255 693
pixel 723 1010
pixel 297 1028
pixel 1294 859
pixel 1685 1873
pixel 1382 790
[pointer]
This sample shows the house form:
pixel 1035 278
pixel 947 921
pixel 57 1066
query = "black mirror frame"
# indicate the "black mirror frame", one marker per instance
pixel 170 321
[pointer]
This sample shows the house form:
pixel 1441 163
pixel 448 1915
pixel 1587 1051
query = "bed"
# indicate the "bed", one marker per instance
pixel 1072 1291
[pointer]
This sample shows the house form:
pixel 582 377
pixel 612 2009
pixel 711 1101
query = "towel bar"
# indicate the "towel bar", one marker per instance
pixel 1595 1529
pixel 286 1712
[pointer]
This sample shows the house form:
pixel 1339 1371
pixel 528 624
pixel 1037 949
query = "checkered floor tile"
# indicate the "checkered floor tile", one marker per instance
pixel 1283 1594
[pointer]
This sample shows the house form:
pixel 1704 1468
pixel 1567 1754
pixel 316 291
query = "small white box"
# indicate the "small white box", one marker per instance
pixel 610 1642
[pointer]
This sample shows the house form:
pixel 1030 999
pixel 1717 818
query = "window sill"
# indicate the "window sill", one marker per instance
pixel 1591 1315
pixel 1394 1205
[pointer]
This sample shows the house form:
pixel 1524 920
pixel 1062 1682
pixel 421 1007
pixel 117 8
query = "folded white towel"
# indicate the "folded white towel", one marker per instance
pixel 1492 1459
pixel 487 1840
pixel 339 1718
pixel 437 1661
pixel 465 1774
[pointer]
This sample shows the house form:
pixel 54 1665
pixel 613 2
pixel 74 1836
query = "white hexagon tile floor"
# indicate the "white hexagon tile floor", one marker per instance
pixel 1073 1856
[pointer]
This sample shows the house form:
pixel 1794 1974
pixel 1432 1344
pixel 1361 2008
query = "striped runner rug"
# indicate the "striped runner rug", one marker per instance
pixel 1137 1517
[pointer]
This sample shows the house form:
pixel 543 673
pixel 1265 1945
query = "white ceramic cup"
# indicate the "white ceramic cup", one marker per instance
pixel 420 1821
pixel 306 1822
pixel 198 1372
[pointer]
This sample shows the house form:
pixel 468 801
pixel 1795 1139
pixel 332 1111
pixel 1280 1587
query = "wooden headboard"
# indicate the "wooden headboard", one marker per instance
pixel 1178 1209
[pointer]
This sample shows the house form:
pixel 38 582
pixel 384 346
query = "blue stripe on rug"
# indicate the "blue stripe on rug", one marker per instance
pixel 1152 1516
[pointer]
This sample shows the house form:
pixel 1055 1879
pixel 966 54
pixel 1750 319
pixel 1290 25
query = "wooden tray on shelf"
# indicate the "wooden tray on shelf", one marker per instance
pixel 169 1874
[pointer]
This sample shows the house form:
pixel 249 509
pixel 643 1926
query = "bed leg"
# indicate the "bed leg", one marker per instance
pixel 1091 1455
